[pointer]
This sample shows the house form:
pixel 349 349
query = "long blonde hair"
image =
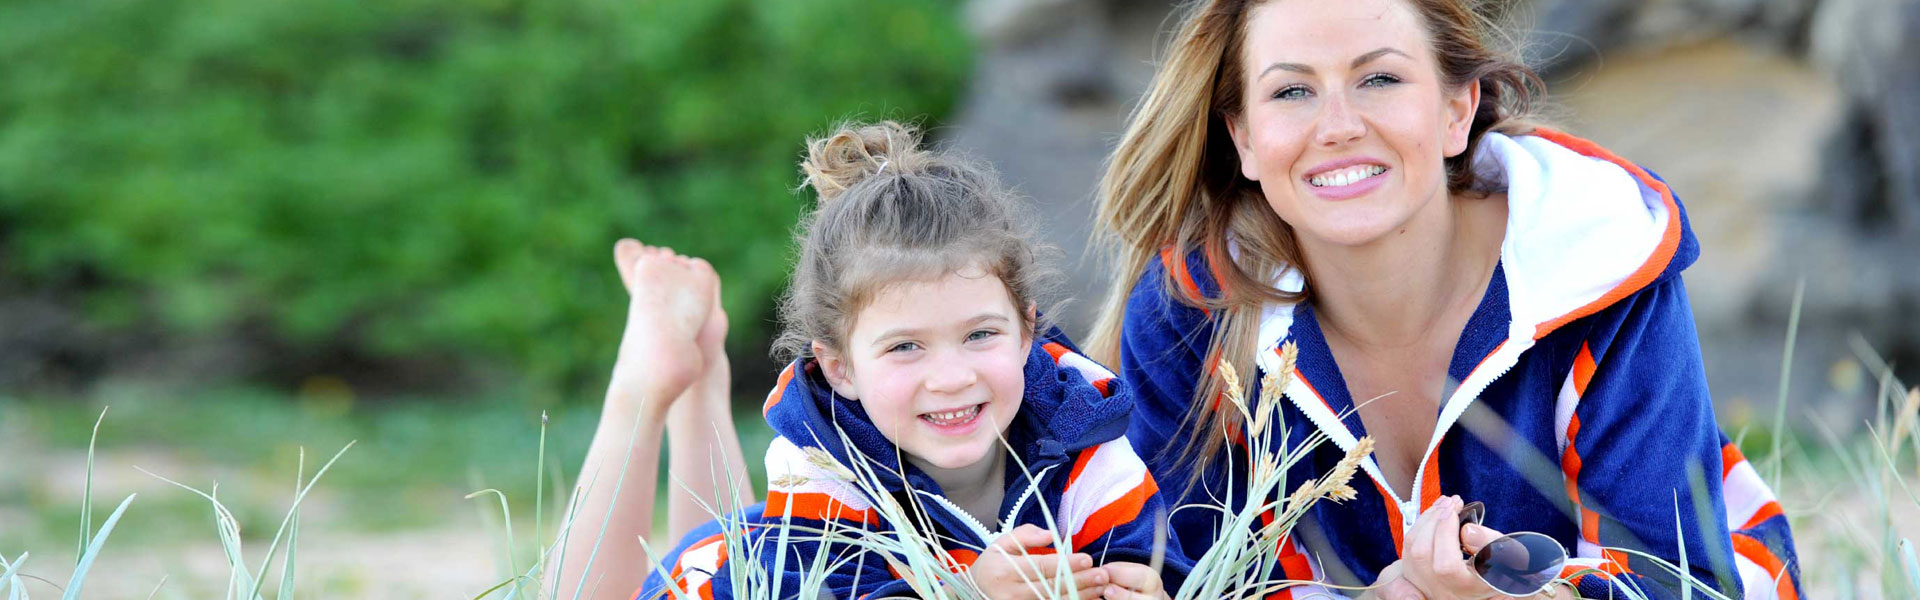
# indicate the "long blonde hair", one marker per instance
pixel 1174 185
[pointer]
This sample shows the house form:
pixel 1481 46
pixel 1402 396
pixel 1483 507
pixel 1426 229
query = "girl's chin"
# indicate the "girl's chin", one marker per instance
pixel 956 457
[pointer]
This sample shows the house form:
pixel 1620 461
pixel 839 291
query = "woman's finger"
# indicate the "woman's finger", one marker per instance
pixel 1419 540
pixel 1474 537
pixel 1449 563
pixel 1446 533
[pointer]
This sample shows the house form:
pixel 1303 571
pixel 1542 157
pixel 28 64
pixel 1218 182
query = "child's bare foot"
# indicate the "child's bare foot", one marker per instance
pixel 712 340
pixel 671 299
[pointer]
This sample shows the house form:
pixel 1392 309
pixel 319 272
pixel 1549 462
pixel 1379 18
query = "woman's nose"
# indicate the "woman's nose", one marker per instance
pixel 1338 123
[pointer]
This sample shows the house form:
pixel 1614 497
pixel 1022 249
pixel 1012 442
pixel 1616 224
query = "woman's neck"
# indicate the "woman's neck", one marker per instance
pixel 1392 293
pixel 978 488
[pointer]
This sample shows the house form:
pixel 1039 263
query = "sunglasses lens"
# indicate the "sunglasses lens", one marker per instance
pixel 1520 564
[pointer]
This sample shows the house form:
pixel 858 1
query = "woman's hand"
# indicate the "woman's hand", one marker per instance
pixel 1433 563
pixel 1009 570
pixel 1132 581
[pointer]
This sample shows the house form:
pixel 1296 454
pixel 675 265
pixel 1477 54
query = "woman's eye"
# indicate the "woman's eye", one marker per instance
pixel 904 347
pixel 1292 92
pixel 1379 79
pixel 980 335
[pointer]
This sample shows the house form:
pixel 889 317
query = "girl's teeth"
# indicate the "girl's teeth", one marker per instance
pixel 949 417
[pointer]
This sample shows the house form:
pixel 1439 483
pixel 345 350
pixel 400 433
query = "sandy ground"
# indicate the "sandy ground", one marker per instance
pixel 1838 525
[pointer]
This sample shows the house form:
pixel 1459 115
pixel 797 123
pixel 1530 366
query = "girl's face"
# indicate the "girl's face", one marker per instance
pixel 938 365
pixel 1346 121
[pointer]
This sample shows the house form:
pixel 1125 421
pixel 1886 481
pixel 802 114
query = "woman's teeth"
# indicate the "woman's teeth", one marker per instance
pixel 953 417
pixel 1346 177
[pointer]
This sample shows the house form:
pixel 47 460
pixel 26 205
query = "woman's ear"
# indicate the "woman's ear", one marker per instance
pixel 835 367
pixel 1243 146
pixel 1461 107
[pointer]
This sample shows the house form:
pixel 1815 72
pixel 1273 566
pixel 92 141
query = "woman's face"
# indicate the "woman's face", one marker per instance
pixel 1346 120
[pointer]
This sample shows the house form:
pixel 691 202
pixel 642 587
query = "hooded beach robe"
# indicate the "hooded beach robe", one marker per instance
pixel 1581 411
pixel 1069 433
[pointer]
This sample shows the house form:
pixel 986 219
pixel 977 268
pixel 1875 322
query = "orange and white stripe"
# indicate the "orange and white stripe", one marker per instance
pixel 1748 500
pixel 799 488
pixel 1098 376
pixel 1297 565
pixel 1749 503
pixel 1107 487
pixel 694 572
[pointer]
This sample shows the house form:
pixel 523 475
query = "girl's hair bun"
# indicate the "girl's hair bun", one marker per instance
pixel 856 153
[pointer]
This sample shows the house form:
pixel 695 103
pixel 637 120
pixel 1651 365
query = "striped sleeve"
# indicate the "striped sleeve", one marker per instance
pixel 707 564
pixel 806 494
pixel 1646 465
pixel 1109 508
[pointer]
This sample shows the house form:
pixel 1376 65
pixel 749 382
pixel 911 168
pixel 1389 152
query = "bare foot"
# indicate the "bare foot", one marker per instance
pixel 712 340
pixel 671 299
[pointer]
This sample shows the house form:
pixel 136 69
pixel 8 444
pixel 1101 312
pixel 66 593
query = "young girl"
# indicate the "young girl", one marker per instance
pixel 912 324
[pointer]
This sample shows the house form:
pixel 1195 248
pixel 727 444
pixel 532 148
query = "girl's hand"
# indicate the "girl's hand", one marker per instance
pixel 1009 570
pixel 1132 581
pixel 1433 563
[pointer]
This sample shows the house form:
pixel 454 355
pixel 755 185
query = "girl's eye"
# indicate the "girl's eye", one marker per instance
pixel 904 347
pixel 1292 92
pixel 980 335
pixel 1379 80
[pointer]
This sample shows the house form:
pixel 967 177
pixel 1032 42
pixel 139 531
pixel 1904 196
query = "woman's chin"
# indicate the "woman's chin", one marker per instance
pixel 1353 234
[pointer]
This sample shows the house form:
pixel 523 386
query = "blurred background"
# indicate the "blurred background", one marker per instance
pixel 258 230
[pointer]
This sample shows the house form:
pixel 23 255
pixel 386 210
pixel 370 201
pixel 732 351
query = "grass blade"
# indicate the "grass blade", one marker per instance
pixel 157 586
pixel 293 536
pixel 293 510
pixel 1913 567
pixel 506 518
pixel 539 480
pixel 86 497
pixel 9 580
pixel 1786 370
pixel 93 550
pixel 496 587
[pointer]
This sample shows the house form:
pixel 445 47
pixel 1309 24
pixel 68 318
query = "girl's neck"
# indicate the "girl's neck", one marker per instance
pixel 978 488
pixel 1392 293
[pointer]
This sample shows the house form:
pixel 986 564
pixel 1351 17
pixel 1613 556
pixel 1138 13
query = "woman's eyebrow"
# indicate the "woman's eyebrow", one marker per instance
pixel 1306 70
pixel 1368 57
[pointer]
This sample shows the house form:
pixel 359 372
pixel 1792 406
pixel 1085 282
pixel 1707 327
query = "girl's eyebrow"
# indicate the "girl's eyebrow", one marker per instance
pixel 912 331
pixel 1306 70
pixel 987 316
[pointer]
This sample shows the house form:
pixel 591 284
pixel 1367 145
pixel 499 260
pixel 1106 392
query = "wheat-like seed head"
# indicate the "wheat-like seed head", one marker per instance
pixel 1306 493
pixel 1343 471
pixel 788 481
pixel 1230 380
pixel 820 459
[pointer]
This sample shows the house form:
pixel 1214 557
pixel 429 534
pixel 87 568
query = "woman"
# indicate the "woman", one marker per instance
pixel 1498 306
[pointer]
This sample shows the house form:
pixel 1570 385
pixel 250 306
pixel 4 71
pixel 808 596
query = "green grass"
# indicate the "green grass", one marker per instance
pixel 425 464
pixel 413 459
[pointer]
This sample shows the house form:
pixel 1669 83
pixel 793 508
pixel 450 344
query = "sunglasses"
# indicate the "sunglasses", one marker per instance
pixel 1517 564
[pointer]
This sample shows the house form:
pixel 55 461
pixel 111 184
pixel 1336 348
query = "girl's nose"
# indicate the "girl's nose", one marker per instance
pixel 951 377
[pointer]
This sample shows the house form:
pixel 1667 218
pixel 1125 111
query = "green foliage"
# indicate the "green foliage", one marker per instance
pixel 432 178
